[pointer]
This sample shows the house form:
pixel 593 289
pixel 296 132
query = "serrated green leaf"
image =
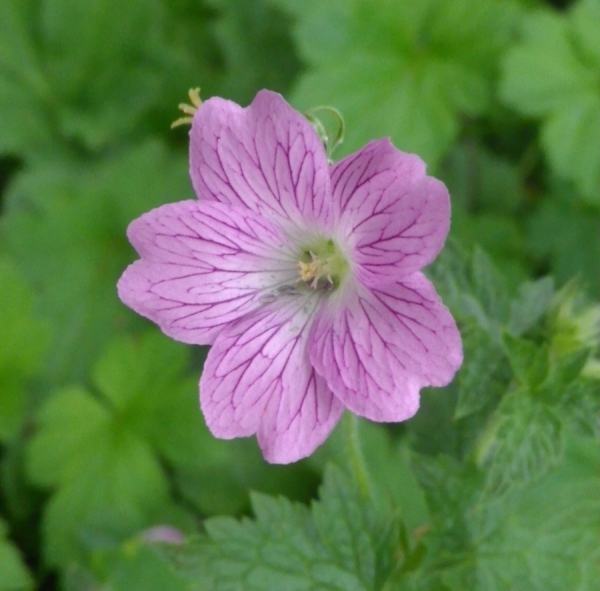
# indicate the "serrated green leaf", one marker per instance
pixel 392 491
pixel 484 377
pixel 14 576
pixel 568 368
pixel 578 404
pixel 411 66
pixel 472 287
pixel 530 362
pixel 490 287
pixel 452 489
pixel 544 536
pixel 523 442
pixel 338 544
pixel 548 546
pixel 530 304
pixel 553 75
pixel 485 296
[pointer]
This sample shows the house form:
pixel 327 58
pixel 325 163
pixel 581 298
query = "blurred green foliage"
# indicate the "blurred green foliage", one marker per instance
pixel 493 485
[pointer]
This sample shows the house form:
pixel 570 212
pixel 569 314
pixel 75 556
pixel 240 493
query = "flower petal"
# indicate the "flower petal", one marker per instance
pixel 378 348
pixel 257 378
pixel 203 264
pixel 391 217
pixel 266 157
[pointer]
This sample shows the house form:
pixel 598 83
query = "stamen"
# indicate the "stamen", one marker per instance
pixel 315 271
pixel 189 110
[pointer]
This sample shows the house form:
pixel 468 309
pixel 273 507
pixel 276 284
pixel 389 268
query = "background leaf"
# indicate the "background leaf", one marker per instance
pixel 553 74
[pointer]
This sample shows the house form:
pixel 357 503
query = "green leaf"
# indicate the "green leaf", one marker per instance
pixel 521 444
pixel 565 235
pixel 530 362
pixel 480 179
pixel 392 491
pixel 575 396
pixel 553 74
pixel 136 564
pixel 530 305
pixel 23 341
pixel 548 546
pixel 64 224
pixel 55 82
pixel 56 91
pixel 119 488
pixel 520 540
pixel 584 19
pixel 70 421
pixel 405 70
pixel 489 288
pixel 25 96
pixel 14 576
pixel 257 48
pixel 484 377
pixel 568 368
pixel 106 478
pixel 23 337
pixel 472 287
pixel 141 380
pixel 224 471
pixel 338 544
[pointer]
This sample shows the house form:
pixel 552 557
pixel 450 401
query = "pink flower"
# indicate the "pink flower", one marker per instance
pixel 303 277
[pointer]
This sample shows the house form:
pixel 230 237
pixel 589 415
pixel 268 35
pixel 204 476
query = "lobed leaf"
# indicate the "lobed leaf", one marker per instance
pixel 337 544
pixel 553 75
pixel 412 66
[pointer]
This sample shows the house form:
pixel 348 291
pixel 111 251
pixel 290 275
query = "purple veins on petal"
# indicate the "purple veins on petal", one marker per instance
pixel 379 347
pixel 266 157
pixel 203 265
pixel 391 215
pixel 304 278
pixel 257 379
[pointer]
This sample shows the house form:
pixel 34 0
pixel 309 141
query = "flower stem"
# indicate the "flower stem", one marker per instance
pixel 355 455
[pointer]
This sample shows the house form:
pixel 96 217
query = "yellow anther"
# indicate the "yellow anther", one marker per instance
pixel 189 110
pixel 308 271
pixel 314 271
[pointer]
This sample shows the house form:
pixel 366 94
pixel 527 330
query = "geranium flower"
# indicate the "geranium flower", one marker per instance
pixel 304 278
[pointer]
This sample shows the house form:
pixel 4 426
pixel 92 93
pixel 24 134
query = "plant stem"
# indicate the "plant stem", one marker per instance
pixel 355 455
